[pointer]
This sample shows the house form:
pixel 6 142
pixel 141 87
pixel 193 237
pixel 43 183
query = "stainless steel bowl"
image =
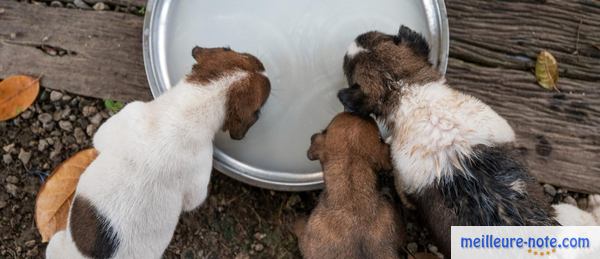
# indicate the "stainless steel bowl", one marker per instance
pixel 170 28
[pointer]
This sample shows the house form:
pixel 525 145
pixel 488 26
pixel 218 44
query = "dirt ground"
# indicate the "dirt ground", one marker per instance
pixel 236 221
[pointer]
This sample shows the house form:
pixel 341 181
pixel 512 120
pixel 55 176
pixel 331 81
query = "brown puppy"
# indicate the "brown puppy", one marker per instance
pixel 352 219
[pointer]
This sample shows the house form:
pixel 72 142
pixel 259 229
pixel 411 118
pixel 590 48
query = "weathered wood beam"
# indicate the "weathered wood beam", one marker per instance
pixel 89 53
pixel 493 49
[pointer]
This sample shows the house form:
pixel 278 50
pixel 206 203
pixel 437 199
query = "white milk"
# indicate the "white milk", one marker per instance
pixel 302 45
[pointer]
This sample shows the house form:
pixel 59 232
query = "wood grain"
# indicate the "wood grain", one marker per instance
pixel 493 49
pixel 92 53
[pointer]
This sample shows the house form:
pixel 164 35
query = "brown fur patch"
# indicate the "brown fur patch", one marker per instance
pixel 352 218
pixel 91 231
pixel 214 63
pixel 245 97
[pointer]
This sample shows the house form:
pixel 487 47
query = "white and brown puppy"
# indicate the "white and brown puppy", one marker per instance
pixel 448 148
pixel 352 218
pixel 155 159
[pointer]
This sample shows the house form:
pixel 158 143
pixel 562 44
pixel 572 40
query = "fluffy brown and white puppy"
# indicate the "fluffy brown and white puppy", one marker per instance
pixel 352 219
pixel 155 159
pixel 449 149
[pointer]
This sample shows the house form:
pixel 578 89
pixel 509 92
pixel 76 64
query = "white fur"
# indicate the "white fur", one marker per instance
pixel 354 49
pixel 569 215
pixel 437 126
pixel 155 161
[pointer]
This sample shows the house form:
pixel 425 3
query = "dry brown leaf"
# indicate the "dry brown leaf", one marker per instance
pixel 546 71
pixel 17 93
pixel 55 196
pixel 423 255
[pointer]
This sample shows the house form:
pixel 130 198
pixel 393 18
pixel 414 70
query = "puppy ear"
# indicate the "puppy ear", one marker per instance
pixel 196 53
pixel 315 152
pixel 383 158
pixel 354 100
pixel 243 100
pixel 414 40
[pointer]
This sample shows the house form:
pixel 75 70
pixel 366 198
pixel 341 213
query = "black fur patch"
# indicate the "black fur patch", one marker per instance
pixel 91 231
pixel 353 100
pixel 485 195
pixel 415 41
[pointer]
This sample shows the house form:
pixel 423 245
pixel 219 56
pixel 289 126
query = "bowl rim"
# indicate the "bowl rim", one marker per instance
pixel 280 181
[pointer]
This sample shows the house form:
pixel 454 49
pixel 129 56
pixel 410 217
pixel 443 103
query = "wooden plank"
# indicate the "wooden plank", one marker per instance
pixel 493 49
pixel 100 53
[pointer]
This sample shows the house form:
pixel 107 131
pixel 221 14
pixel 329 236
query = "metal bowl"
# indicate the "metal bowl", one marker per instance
pixel 302 44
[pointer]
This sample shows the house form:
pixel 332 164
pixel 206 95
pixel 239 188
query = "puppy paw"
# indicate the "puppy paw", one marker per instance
pixel 299 226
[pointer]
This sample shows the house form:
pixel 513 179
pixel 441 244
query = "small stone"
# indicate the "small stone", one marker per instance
pixel 30 243
pixel 90 130
pixel 88 111
pixel 65 113
pixel 3 204
pixel 11 189
pixel 259 236
pixel 66 98
pixel 42 145
pixel 70 5
pixel 259 247
pixel 10 148
pixel 100 6
pixel 79 135
pixel 412 247
pixel 96 119
pixel 24 156
pixel 66 126
pixel 432 248
pixel 13 35
pixel 45 118
pixel 54 154
pixel 12 179
pixel 570 200
pixel 7 159
pixel 2 10
pixel 49 126
pixel 550 190
pixel 56 4
pixel 55 96
pixel 26 114
pixel 81 4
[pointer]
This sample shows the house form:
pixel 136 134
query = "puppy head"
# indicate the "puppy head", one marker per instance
pixel 377 64
pixel 354 137
pixel 245 97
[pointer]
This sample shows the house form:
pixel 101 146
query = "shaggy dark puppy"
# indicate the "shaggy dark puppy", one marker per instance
pixel 449 149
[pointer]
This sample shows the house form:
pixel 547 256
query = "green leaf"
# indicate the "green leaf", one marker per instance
pixel 546 71
pixel 113 106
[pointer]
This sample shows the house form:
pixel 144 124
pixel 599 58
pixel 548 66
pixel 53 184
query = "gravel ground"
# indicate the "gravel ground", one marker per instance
pixel 236 221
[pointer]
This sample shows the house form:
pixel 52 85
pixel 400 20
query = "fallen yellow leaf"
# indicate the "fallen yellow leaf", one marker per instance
pixel 17 93
pixel 546 70
pixel 55 196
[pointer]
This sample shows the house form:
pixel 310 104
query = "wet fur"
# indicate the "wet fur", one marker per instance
pixel 447 146
pixel 155 159
pixel 352 218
